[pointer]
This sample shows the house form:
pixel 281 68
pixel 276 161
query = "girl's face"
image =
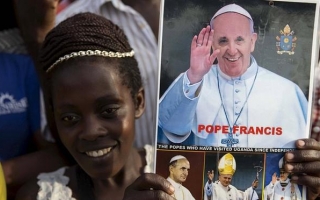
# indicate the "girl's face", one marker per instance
pixel 95 115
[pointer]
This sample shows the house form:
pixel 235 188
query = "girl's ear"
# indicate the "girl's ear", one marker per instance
pixel 140 103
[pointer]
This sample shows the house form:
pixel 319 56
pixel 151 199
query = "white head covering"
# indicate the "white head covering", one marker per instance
pixel 231 8
pixel 281 163
pixel 177 157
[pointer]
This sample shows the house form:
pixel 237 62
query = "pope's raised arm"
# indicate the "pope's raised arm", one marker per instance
pixel 201 58
pixel 274 178
pixel 210 176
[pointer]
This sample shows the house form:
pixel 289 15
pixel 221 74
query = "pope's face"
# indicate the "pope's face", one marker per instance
pixel 232 35
pixel 283 175
pixel 225 179
pixel 179 172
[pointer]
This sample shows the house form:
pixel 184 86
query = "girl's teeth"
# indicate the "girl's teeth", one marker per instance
pixel 98 153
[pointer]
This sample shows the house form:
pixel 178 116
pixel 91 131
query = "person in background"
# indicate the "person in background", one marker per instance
pixel 96 93
pixel 23 146
pixel 179 167
pixel 251 192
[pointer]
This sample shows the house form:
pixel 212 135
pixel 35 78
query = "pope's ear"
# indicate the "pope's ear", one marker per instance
pixel 253 41
pixel 140 103
pixel 170 168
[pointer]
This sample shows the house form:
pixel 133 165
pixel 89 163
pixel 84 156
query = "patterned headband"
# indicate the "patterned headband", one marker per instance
pixel 91 53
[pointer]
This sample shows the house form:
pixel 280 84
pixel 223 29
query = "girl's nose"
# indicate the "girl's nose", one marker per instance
pixel 92 128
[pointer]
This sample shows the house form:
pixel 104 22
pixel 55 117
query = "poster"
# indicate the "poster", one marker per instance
pixel 208 126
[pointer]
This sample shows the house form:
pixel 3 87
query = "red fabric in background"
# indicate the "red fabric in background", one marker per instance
pixel 63 4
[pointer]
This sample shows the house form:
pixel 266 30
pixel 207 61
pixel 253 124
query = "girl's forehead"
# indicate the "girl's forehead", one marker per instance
pixel 86 77
pixel 85 87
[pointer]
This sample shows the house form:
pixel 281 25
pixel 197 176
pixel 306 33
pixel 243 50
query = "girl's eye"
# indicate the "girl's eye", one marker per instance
pixel 70 118
pixel 110 112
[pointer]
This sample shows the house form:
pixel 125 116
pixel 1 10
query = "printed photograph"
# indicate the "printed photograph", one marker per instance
pixel 235 73
pixel 236 175
pixel 184 170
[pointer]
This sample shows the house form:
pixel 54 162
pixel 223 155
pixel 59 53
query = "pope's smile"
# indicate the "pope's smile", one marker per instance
pixel 233 59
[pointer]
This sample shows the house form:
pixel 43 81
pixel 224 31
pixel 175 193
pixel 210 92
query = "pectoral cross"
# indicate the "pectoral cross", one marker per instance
pixel 230 141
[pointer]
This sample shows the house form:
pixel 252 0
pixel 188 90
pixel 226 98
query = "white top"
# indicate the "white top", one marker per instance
pixel 251 194
pixel 180 192
pixel 276 191
pixel 144 43
pixel 12 42
pixel 217 191
pixel 53 185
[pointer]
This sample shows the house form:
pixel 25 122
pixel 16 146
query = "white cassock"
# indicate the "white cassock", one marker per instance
pixel 276 191
pixel 180 192
pixel 219 192
pixel 251 194
pixel 275 112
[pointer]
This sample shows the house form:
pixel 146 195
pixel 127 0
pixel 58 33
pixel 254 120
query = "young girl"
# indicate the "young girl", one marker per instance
pixel 96 95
